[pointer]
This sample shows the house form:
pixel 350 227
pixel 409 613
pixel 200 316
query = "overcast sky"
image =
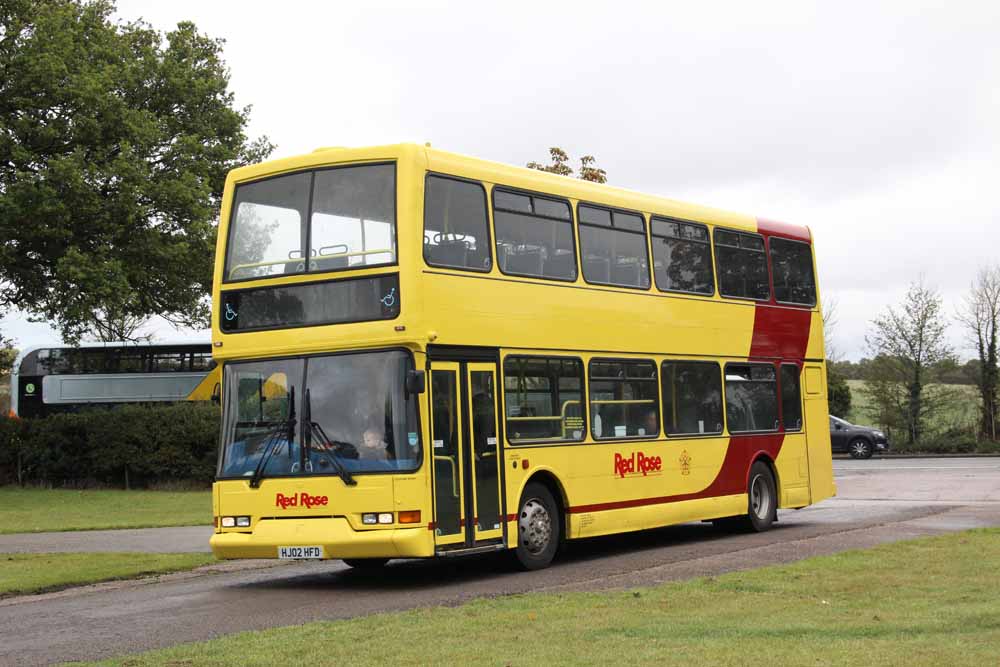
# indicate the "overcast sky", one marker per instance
pixel 876 124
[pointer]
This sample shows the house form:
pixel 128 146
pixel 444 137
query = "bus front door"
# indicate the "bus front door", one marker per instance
pixel 465 453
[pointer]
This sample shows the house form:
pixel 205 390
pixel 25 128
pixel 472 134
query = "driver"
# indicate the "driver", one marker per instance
pixel 373 446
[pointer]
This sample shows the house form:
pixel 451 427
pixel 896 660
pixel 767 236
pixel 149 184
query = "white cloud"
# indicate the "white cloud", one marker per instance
pixel 874 123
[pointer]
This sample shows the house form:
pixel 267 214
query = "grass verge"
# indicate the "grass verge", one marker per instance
pixel 927 602
pixel 22 574
pixel 41 510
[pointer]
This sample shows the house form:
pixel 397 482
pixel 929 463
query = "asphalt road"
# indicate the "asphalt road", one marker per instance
pixel 879 501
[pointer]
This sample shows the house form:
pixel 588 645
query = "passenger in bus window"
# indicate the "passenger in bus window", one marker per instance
pixel 373 446
pixel 650 424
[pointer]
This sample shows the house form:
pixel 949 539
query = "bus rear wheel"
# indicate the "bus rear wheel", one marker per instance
pixel 366 563
pixel 538 528
pixel 762 498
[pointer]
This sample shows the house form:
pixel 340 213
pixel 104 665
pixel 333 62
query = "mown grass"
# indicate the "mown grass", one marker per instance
pixel 41 510
pixel 22 574
pixel 926 602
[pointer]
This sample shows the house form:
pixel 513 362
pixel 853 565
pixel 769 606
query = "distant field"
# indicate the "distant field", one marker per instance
pixel 962 412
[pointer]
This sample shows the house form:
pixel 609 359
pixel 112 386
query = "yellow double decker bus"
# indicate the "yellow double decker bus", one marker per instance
pixel 426 354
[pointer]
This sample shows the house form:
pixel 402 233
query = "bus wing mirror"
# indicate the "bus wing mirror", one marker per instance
pixel 217 394
pixel 416 382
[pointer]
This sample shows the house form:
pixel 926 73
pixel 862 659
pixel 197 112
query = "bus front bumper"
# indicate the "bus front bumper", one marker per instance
pixel 334 534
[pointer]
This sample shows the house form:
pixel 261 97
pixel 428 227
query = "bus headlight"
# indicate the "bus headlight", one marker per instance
pixel 369 518
pixel 235 522
pixel 385 517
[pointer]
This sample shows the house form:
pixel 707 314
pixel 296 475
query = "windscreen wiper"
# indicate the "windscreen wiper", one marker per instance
pixel 288 427
pixel 326 445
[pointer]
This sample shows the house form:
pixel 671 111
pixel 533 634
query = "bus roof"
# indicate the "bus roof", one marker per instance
pixel 523 178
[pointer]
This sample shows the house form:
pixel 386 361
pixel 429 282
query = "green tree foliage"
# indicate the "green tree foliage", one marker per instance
pixel 115 141
pixel 838 393
pixel 980 316
pixel 560 165
pixel 908 342
pixel 7 355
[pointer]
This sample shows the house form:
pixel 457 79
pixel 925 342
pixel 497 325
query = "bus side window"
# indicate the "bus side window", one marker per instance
pixel 791 263
pixel 623 399
pixel 534 235
pixel 456 230
pixel 751 398
pixel 791 398
pixel 692 398
pixel 543 397
pixel 741 265
pixel 682 257
pixel 613 246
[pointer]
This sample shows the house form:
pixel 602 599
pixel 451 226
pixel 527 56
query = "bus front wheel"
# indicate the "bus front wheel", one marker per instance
pixel 538 527
pixel 762 498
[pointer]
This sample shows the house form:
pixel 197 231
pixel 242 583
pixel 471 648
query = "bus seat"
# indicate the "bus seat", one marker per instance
pixel 626 274
pixel 560 266
pixel 328 263
pixel 449 253
pixel 525 261
pixel 295 266
pixel 597 269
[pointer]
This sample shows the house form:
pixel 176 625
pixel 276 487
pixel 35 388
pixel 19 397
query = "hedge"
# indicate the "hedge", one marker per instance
pixel 127 446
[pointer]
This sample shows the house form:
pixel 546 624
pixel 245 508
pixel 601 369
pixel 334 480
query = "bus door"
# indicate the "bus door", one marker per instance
pixel 465 453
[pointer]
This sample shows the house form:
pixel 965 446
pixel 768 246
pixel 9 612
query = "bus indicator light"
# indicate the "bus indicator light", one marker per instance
pixel 410 516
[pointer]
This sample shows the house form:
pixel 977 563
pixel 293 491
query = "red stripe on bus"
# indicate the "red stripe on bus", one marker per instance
pixel 786 229
pixel 780 332
pixel 730 480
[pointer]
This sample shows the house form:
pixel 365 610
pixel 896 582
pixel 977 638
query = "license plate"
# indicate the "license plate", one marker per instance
pixel 299 553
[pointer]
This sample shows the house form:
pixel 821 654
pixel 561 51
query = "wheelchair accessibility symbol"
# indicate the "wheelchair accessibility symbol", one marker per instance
pixel 230 313
pixel 389 300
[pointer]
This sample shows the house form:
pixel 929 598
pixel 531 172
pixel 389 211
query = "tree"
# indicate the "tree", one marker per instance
pixel 907 343
pixel 7 355
pixel 838 392
pixel 115 141
pixel 109 326
pixel 980 316
pixel 560 165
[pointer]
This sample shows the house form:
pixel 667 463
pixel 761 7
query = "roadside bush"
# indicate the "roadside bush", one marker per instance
pixel 125 446
pixel 952 441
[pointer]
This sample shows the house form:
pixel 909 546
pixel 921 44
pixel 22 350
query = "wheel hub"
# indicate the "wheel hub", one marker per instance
pixel 760 497
pixel 535 526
